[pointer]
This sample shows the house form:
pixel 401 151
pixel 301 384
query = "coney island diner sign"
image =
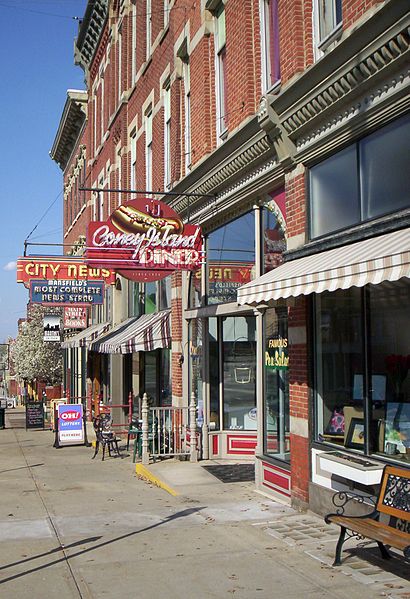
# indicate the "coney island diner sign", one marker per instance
pixel 144 240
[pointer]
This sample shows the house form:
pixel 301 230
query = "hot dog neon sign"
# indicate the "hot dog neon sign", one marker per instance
pixel 144 240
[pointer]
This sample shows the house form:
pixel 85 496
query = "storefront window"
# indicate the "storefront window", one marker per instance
pixel 134 298
pixel 354 410
pixel 276 385
pixel 390 365
pixel 214 373
pixel 239 372
pixel 194 297
pixel 164 293
pixel 195 362
pixel 165 382
pixel 150 297
pixel 231 258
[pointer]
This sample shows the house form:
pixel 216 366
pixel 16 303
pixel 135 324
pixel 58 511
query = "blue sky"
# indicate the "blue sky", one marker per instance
pixel 37 68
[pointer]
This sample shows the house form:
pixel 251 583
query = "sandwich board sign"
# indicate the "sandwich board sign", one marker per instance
pixel 70 424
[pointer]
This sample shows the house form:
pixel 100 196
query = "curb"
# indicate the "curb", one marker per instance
pixel 143 472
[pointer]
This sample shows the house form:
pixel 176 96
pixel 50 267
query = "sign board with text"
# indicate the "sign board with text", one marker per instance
pixel 54 268
pixel 144 240
pixel 66 293
pixel 75 317
pixel 34 414
pixel 51 327
pixel 70 424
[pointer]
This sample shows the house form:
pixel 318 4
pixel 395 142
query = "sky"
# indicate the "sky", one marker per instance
pixel 37 69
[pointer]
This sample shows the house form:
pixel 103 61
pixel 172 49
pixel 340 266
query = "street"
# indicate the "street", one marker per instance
pixel 74 527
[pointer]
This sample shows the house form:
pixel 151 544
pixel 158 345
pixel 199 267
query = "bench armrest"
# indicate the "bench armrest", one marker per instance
pixel 341 500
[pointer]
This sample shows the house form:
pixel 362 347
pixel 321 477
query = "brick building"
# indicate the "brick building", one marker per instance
pixel 286 123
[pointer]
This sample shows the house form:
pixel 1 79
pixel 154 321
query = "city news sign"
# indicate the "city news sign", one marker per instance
pixel 53 268
pixel 144 240
pixel 67 293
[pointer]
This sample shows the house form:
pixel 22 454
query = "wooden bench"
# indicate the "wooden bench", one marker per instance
pixel 393 502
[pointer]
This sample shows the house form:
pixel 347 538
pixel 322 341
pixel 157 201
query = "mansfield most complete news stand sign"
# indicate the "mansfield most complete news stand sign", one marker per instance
pixel 144 240
pixel 55 281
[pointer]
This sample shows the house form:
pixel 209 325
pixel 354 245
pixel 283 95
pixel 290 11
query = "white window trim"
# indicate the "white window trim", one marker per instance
pixel 266 84
pixel 148 149
pixel 187 113
pixel 134 43
pixel 222 131
pixel 148 28
pixel 133 159
pixel 320 46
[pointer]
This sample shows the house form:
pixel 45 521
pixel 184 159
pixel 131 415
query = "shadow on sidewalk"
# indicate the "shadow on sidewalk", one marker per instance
pixel 181 514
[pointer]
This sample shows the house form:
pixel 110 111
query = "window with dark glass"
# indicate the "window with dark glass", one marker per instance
pixel 274 241
pixel 239 372
pixel 276 385
pixel 231 258
pixel 362 368
pixel 214 420
pixel 364 181
pixel 195 365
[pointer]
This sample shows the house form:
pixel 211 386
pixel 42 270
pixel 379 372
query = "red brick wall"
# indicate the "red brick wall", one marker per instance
pixel 295 33
pixel 353 10
pixel 299 402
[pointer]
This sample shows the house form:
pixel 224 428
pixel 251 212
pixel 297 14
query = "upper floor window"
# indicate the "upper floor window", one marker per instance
pixel 167 8
pixel 270 43
pixel 119 64
pixel 133 158
pixel 327 19
pixel 364 181
pixel 220 49
pixel 148 150
pixel 148 25
pixel 133 42
pixel 167 135
pixel 187 113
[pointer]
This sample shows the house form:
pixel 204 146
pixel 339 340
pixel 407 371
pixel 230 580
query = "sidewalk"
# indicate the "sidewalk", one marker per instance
pixel 74 527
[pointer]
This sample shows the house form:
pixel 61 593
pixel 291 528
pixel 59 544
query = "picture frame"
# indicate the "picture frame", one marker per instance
pixel 355 434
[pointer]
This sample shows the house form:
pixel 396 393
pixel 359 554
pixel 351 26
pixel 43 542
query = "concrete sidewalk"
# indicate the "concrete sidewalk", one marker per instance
pixel 74 527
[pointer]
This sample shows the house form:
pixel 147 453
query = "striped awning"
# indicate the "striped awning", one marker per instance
pixel 382 258
pixel 87 336
pixel 146 333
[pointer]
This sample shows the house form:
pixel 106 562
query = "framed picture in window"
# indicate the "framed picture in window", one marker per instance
pixel 355 434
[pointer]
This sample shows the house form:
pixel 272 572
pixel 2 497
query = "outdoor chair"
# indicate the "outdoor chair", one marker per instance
pixel 134 430
pixel 105 436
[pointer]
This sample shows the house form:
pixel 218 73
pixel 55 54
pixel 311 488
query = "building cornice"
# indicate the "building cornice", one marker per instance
pixel 89 32
pixel 70 126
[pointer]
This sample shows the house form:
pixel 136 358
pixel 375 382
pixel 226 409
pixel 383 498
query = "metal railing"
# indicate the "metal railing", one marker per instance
pixel 169 431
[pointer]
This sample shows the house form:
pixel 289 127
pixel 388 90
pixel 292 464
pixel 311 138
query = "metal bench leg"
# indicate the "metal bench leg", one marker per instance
pixel 383 551
pixel 97 447
pixel 339 546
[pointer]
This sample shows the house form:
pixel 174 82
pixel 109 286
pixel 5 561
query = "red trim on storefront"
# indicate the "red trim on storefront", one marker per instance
pixel 241 445
pixel 215 444
pixel 276 478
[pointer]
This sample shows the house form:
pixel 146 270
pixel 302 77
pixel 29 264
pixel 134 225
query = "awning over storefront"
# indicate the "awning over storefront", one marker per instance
pixel 87 336
pixel 382 258
pixel 146 333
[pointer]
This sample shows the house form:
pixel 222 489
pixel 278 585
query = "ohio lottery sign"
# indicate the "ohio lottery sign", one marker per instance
pixel 70 424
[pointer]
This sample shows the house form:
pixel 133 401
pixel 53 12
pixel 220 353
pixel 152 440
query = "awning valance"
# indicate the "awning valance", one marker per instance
pixel 146 333
pixel 382 258
pixel 87 336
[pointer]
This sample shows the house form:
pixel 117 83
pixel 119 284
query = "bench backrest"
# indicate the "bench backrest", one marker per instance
pixel 394 496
